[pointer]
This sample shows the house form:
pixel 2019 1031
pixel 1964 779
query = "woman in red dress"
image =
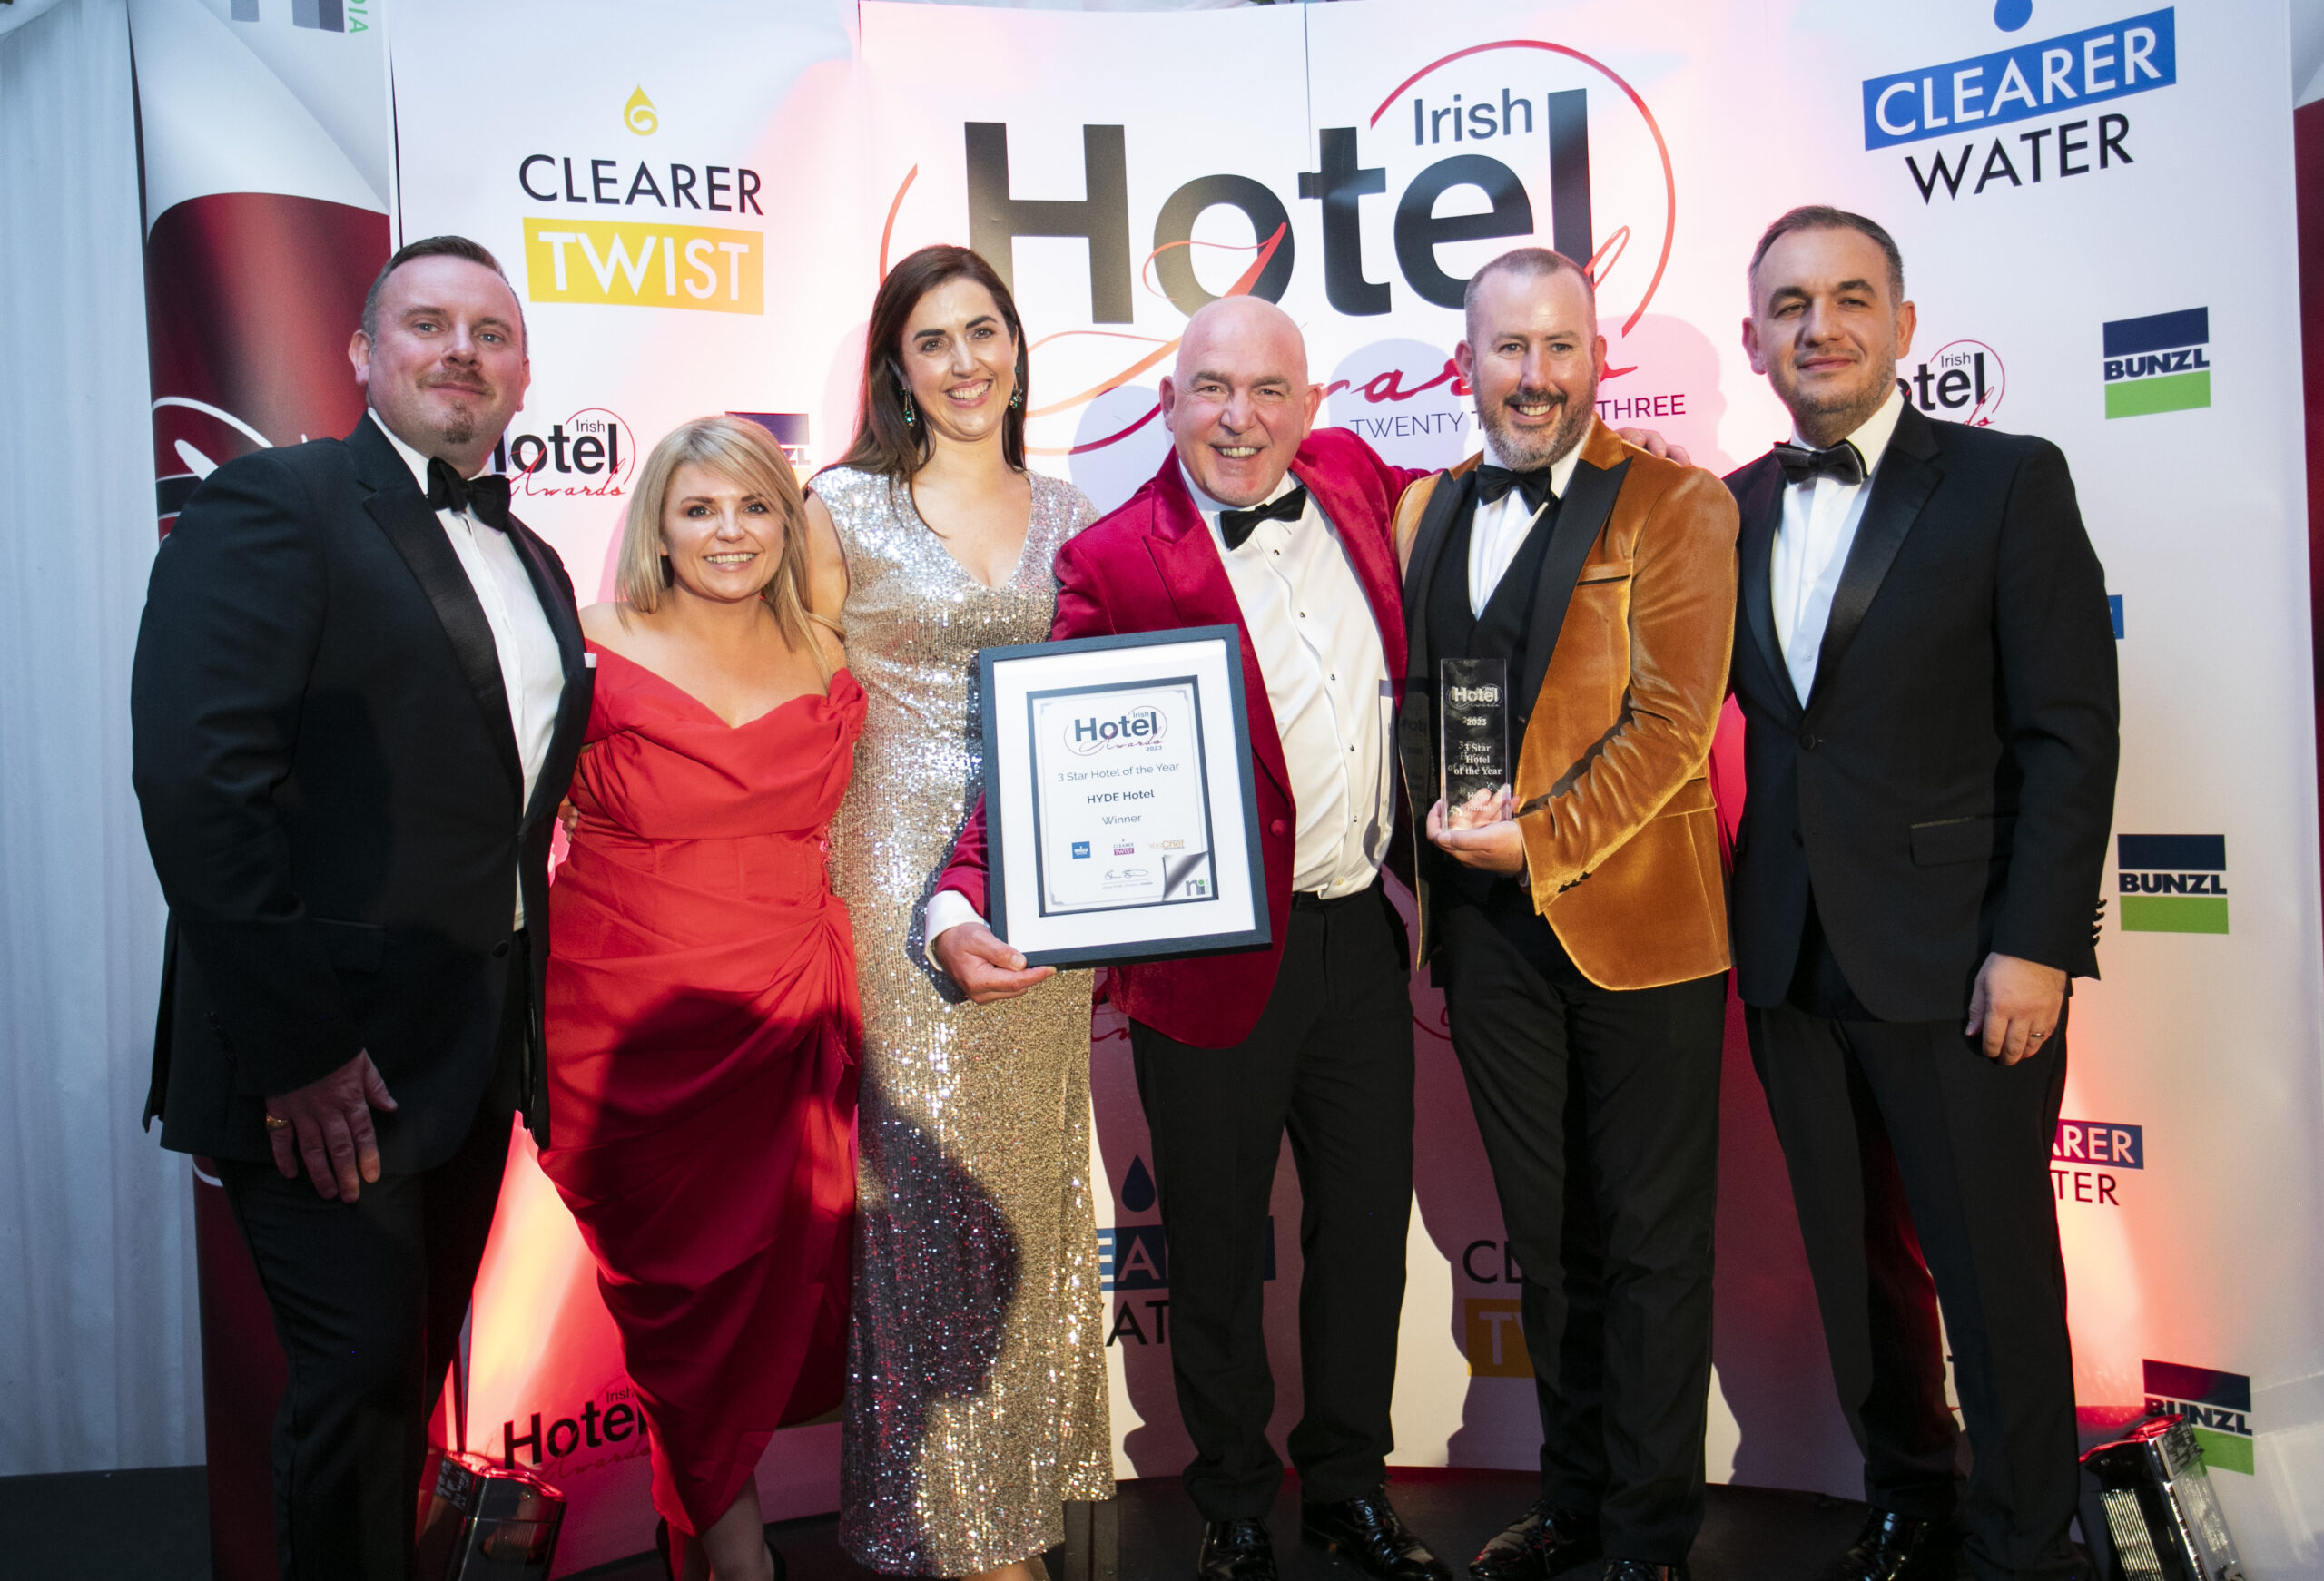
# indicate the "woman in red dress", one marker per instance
pixel 702 1021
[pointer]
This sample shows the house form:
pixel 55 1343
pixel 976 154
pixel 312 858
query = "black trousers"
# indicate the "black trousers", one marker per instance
pixel 1921 1170
pixel 1600 1113
pixel 368 1298
pixel 1331 1062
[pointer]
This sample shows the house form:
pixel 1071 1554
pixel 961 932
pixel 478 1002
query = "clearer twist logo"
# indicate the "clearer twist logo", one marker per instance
pixel 638 114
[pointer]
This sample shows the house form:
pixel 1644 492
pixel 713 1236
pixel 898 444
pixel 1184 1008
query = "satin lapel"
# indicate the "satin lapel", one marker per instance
pixel 1581 515
pixel 1762 511
pixel 1188 560
pixel 402 513
pixel 1906 477
pixel 573 702
pixel 1372 552
pixel 1454 493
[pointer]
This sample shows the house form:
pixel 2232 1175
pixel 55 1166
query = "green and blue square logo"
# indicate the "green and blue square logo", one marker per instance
pixel 2217 1405
pixel 2173 883
pixel 2160 363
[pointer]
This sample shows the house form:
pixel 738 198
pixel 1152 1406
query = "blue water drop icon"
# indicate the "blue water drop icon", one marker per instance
pixel 1137 1187
pixel 2009 16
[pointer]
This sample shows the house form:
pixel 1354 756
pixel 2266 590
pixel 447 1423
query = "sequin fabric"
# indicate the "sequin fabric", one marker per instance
pixel 977 1392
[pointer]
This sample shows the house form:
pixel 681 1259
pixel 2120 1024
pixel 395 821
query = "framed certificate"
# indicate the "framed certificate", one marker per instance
pixel 1119 820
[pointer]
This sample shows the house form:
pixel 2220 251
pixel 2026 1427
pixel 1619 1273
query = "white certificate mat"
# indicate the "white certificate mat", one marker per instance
pixel 1117 798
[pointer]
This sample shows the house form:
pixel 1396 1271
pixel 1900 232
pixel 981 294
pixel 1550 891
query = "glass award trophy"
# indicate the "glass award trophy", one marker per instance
pixel 1472 728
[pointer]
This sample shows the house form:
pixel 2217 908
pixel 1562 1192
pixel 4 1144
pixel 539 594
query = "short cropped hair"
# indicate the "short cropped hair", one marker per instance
pixel 1824 217
pixel 1525 263
pixel 436 247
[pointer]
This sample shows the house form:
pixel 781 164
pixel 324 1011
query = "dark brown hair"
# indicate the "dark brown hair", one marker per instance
pixel 1824 217
pixel 435 247
pixel 884 443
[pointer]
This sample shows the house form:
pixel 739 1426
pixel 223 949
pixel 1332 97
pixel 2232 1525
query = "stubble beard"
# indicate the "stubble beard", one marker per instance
pixel 1530 449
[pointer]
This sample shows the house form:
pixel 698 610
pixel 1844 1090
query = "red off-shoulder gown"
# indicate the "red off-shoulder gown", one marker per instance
pixel 701 1036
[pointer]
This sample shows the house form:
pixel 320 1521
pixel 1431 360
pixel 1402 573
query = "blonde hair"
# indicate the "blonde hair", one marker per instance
pixel 745 455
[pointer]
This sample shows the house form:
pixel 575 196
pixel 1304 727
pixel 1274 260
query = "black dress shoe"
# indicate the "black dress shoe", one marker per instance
pixel 1236 1550
pixel 1897 1547
pixel 1642 1570
pixel 1545 1541
pixel 1368 1530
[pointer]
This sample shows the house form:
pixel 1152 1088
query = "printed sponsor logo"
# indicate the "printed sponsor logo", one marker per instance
pixel 644 264
pixel 1493 1329
pixel 613 1424
pixel 1963 381
pixel 2160 363
pixel 2114 613
pixel 2086 1157
pixel 2173 883
pixel 1080 849
pixel 639 115
pixel 1135 1258
pixel 2046 77
pixel 321 15
pixel 2217 1405
pixel 593 454
pixel 790 431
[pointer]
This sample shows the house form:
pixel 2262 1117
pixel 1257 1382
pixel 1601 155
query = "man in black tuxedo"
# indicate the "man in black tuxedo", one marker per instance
pixel 1925 660
pixel 358 692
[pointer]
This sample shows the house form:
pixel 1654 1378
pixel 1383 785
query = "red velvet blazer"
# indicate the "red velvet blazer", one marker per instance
pixel 1150 566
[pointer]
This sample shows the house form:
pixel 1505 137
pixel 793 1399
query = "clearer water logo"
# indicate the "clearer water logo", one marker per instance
pixel 2160 363
pixel 638 114
pixel 2173 883
pixel 2217 1405
pixel 2085 1154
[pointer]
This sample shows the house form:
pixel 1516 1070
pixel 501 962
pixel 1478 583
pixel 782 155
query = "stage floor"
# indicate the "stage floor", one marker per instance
pixel 151 1525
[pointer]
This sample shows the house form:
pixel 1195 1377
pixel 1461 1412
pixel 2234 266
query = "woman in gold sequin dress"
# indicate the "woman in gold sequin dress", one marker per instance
pixel 976 1393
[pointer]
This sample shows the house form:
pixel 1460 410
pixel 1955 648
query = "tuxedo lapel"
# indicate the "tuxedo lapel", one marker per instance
pixel 1762 511
pixel 1188 560
pixel 1906 477
pixel 580 679
pixel 1372 553
pixel 402 513
pixel 1582 513
pixel 1454 497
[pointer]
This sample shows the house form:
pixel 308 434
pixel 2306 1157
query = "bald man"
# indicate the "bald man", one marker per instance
pixel 1259 521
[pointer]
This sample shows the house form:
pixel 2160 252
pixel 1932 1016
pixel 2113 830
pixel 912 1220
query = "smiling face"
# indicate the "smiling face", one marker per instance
pixel 447 368
pixel 723 543
pixel 1533 357
pixel 1238 404
pixel 960 362
pixel 1827 328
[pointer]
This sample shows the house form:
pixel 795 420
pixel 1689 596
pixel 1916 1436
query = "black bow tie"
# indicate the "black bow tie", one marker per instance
pixel 484 496
pixel 1236 526
pixel 1842 463
pixel 1495 482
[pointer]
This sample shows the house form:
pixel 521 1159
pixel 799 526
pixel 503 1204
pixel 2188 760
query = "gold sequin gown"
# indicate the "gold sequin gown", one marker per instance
pixel 976 1392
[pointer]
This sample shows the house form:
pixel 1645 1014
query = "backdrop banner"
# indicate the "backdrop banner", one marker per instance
pixel 696 202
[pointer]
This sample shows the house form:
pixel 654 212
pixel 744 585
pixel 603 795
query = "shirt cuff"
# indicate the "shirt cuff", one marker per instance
pixel 947 909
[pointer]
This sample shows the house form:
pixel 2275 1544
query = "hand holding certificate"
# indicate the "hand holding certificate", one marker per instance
pixel 1118 800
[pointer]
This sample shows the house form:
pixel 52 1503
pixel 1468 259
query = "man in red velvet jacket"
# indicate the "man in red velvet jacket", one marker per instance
pixel 1257 521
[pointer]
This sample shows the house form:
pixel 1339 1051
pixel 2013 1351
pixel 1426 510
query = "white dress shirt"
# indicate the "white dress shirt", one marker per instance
pixel 1812 543
pixel 1319 652
pixel 532 672
pixel 1501 529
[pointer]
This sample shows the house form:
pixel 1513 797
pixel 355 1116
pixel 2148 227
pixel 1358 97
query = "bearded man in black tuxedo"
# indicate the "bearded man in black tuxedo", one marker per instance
pixel 1926 666
pixel 358 692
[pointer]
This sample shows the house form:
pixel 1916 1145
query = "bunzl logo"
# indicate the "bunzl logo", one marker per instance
pixel 2160 363
pixel 590 454
pixel 2085 1154
pixel 2048 77
pixel 1963 381
pixel 2173 883
pixel 2216 1405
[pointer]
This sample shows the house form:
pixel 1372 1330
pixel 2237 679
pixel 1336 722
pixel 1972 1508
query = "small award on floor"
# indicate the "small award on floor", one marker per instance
pixel 1472 745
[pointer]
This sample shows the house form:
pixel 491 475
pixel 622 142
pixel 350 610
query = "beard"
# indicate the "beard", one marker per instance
pixel 1528 449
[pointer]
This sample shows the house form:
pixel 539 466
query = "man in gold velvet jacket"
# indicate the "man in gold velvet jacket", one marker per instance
pixel 1577 919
